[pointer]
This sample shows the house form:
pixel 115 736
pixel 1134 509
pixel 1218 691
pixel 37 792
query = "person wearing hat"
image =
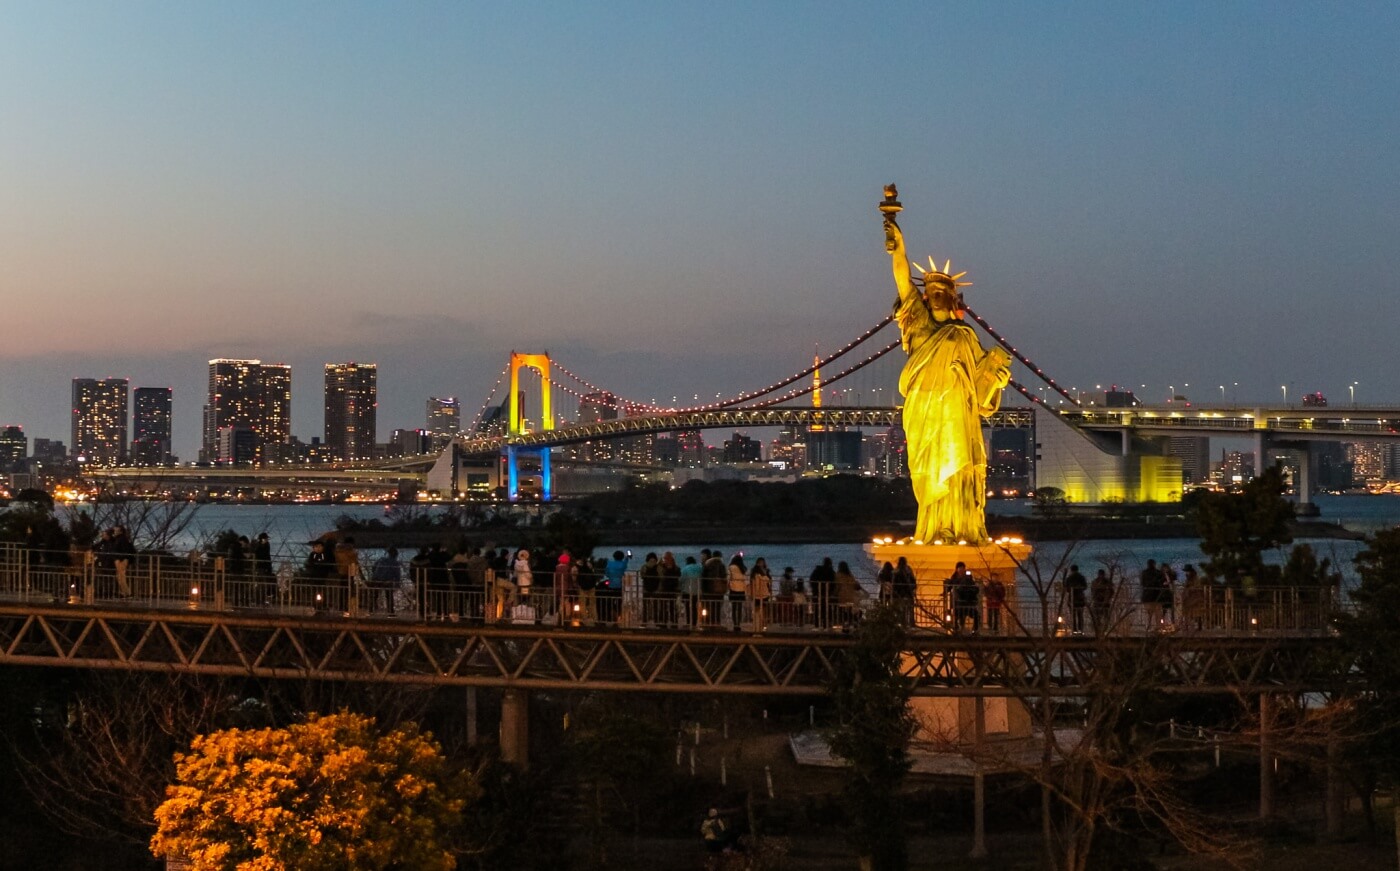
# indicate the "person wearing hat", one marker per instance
pixel 563 583
pixel 524 576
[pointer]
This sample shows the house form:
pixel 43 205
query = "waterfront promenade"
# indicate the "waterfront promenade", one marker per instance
pixel 166 583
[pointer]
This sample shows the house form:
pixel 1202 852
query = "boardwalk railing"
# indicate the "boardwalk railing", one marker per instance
pixel 80 578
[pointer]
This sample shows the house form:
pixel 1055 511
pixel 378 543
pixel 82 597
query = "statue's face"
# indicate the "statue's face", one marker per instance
pixel 943 296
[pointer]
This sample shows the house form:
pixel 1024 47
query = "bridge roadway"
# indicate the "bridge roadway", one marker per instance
pixel 1292 423
pixel 265 644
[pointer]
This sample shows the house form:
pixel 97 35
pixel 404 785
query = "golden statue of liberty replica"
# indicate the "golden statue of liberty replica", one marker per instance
pixel 949 383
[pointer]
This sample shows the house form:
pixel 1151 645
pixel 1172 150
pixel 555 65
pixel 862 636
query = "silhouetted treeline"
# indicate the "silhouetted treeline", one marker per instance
pixel 837 500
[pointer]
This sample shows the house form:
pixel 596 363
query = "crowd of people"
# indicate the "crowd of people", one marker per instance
pixel 705 590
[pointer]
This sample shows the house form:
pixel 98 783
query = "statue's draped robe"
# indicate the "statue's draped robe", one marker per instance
pixel 946 373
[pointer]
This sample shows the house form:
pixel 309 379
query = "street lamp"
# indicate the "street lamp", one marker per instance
pixel 1352 388
pixel 1222 394
pixel 1285 395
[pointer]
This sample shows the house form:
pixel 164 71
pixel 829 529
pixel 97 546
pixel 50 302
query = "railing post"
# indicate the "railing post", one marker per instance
pixel 89 578
pixel 216 582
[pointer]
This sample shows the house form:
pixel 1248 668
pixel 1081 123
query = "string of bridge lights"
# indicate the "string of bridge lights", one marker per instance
pixel 752 394
pixel 627 406
pixel 792 394
pixel 633 405
pixel 1025 361
pixel 803 391
pixel 617 401
pixel 779 385
pixel 500 379
pixel 1025 391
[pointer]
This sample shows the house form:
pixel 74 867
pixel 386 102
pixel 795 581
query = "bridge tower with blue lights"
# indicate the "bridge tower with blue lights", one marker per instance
pixel 517 425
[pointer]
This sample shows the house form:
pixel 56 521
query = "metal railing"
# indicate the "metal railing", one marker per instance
pixel 155 581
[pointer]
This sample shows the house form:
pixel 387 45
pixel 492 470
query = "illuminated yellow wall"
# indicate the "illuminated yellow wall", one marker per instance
pixel 1159 479
pixel 1087 474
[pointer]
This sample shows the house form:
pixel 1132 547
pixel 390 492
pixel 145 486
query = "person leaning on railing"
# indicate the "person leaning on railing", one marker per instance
pixel 692 583
pixel 385 578
pixel 847 596
pixel 761 588
pixel 994 596
pixel 670 590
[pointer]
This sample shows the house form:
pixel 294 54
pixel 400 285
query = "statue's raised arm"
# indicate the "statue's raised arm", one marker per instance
pixel 894 243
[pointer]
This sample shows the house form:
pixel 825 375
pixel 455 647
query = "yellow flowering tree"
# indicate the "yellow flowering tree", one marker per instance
pixel 329 794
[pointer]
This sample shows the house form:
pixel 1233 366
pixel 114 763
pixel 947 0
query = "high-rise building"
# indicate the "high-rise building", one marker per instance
pixel 1236 467
pixel 1009 460
pixel 238 445
pixel 690 448
pixel 444 419
pixel 743 449
pixel 1368 461
pixel 667 450
pixel 833 450
pixel 252 394
pixel 351 394
pixel 99 420
pixel 150 425
pixel 1329 460
pixel 790 448
pixel 14 448
pixel 49 452
pixel 593 408
pixel 407 442
pixel 1194 453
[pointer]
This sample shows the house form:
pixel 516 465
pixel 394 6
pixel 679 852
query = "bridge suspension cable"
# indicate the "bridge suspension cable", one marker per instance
pixel 630 404
pixel 618 401
pixel 1024 360
pixel 804 390
pixel 838 354
pixel 481 413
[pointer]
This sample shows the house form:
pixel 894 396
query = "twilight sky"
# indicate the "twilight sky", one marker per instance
pixel 679 198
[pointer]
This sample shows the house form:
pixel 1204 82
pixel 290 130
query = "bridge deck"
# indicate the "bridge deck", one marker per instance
pixel 170 615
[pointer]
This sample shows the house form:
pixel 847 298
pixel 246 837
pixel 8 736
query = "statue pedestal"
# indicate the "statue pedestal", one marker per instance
pixel 933 564
pixel 953 721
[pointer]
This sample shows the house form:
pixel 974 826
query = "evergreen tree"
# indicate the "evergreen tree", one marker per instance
pixel 873 731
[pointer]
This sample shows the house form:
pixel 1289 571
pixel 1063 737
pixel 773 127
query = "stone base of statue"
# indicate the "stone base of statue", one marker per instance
pixel 953 721
pixel 933 564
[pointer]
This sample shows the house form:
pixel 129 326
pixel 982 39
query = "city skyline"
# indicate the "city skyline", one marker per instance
pixel 676 204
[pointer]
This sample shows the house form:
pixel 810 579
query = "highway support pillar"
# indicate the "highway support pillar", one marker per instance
pixel 979 785
pixel 1266 758
pixel 515 728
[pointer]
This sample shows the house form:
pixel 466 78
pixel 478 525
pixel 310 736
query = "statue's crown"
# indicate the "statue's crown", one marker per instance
pixel 935 277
